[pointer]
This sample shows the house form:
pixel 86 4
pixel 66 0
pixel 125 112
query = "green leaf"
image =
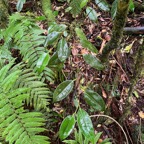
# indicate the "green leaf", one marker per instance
pixel 89 46
pixel 91 14
pixel 83 3
pixel 131 6
pixel 94 100
pixel 93 61
pixel 57 27
pixel 63 50
pixel 63 90
pixel 97 136
pixel 114 9
pixel 51 38
pixel 83 40
pixel 102 4
pixel 54 62
pixel 70 141
pixel 66 127
pixel 19 5
pixel 85 124
pixel 42 62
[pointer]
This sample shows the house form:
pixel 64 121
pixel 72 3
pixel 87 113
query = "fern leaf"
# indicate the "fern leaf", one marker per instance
pixel 18 125
pixel 40 95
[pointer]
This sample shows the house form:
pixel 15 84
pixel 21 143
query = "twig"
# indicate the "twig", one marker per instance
pixel 101 115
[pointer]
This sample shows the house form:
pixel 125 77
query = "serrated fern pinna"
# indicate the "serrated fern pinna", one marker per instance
pixel 24 90
pixel 18 125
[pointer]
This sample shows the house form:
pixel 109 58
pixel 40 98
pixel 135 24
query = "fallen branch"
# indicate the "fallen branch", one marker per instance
pixel 134 30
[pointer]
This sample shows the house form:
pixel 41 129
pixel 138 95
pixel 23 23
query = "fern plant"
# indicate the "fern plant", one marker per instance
pixel 18 125
pixel 29 39
pixel 21 85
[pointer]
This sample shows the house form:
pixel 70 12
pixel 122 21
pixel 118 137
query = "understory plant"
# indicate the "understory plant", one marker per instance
pixel 31 61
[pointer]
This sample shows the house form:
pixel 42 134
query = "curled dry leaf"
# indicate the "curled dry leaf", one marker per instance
pixel 141 114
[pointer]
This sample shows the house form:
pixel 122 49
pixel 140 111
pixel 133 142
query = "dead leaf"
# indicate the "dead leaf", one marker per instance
pixel 141 114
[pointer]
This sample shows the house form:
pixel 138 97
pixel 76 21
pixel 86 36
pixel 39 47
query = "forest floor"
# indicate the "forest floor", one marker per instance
pixel 112 83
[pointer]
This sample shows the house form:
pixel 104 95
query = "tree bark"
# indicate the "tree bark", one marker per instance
pixel 117 31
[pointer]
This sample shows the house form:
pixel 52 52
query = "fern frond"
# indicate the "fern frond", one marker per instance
pixel 29 39
pixel 18 125
pixel 40 94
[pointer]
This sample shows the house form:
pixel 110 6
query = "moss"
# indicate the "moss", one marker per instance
pixel 117 32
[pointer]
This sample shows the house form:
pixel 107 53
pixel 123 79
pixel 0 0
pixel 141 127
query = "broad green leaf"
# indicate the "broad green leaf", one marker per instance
pixel 114 9
pixel 51 38
pixel 83 40
pixel 91 14
pixel 93 61
pixel 63 90
pixel 42 62
pixel 19 5
pixel 54 62
pixel 102 4
pixel 57 27
pixel 89 46
pixel 83 3
pixel 66 127
pixel 63 50
pixel 131 6
pixel 85 124
pixel 94 100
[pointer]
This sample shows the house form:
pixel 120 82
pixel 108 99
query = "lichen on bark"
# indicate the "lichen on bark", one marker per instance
pixel 117 31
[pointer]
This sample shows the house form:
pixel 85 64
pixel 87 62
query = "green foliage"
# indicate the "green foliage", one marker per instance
pixel 114 9
pixel 66 127
pixel 28 38
pixel 17 124
pixel 20 5
pixel 83 40
pixel 63 90
pixel 94 100
pixel 91 14
pixel 131 6
pixel 75 7
pixel 85 134
pixel 85 124
pixel 102 4
pixel 93 61
pixel 63 50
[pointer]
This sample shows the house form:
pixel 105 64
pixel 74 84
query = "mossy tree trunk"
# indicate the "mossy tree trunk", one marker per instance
pixel 117 32
pixel 47 10
pixel 3 13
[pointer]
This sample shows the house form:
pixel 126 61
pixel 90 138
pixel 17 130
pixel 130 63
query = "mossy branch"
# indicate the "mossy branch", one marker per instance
pixel 47 10
pixel 117 32
pixel 3 13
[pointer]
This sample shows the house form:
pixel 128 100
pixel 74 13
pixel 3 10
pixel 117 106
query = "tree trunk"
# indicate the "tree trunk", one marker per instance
pixel 117 32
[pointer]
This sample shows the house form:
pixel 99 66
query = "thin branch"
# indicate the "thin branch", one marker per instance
pixel 101 115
